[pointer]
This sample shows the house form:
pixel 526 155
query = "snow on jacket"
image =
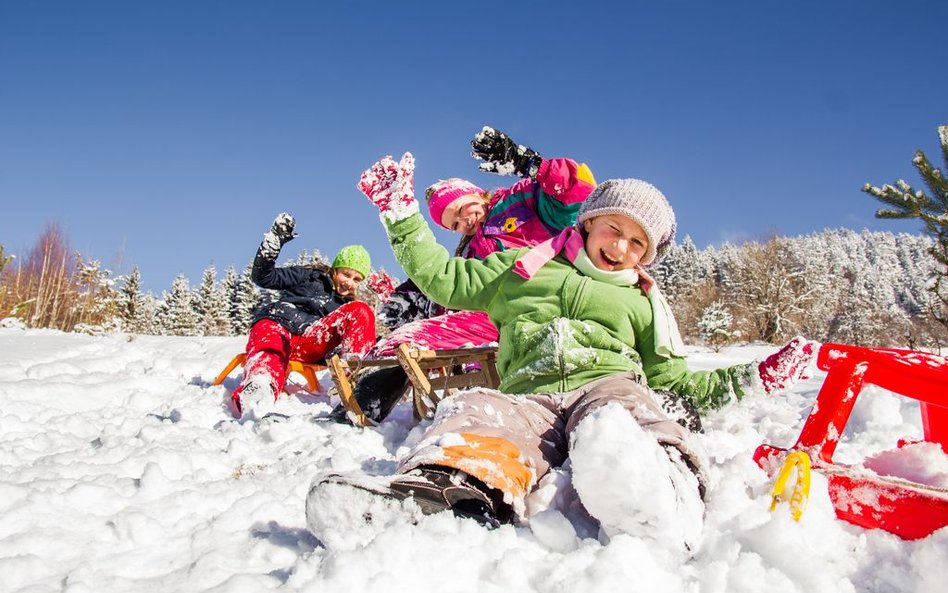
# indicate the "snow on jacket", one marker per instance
pixel 531 211
pixel 306 294
pixel 560 329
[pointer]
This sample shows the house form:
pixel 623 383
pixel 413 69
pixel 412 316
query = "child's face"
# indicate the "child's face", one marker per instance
pixel 346 281
pixel 614 242
pixel 465 214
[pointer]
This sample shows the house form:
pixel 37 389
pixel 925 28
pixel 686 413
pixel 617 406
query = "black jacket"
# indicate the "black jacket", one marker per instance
pixel 406 304
pixel 306 294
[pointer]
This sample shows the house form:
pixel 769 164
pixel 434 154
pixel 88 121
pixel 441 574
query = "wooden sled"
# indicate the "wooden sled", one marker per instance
pixel 307 370
pixel 905 508
pixel 429 371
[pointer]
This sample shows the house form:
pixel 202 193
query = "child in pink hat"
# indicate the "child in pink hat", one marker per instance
pixel 543 203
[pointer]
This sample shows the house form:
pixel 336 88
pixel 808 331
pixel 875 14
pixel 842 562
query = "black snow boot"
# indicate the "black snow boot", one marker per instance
pixel 377 392
pixel 433 489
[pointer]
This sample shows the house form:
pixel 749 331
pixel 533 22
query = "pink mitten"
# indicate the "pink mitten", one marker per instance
pixel 390 186
pixel 788 365
pixel 381 284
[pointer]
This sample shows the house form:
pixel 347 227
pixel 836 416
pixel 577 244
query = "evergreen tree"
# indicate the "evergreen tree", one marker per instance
pixel 131 302
pixel 177 315
pixel 683 268
pixel 228 292
pixel 714 326
pixel 96 307
pixel 211 305
pixel 147 319
pixel 248 299
pixel 904 201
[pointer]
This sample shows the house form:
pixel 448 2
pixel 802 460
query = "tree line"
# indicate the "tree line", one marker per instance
pixel 869 288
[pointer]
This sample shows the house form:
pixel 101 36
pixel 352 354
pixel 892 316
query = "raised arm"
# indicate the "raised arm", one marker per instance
pixel 264 273
pixel 560 185
pixel 456 283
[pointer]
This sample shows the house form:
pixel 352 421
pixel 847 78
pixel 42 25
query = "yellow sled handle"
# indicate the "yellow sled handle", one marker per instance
pixel 801 490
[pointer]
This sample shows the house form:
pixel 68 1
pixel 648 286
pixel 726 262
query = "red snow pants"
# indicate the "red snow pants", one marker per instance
pixel 271 347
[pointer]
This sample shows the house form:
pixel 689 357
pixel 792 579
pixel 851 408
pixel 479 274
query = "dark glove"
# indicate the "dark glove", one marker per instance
pixel 282 227
pixel 279 234
pixel 503 156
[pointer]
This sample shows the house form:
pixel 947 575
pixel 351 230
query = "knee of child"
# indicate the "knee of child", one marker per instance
pixel 360 312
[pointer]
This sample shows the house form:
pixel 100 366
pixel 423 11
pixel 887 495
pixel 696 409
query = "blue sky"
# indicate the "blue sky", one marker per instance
pixel 168 135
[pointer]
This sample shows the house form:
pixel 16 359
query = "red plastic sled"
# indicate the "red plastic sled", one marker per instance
pixel 907 509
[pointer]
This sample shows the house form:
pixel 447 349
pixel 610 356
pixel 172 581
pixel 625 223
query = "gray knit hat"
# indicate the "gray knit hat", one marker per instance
pixel 642 202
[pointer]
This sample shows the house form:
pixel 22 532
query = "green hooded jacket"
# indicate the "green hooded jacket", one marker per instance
pixel 560 329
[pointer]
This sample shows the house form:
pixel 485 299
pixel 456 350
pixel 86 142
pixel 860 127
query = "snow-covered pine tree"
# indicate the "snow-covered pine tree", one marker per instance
pixel 904 201
pixel 176 314
pixel 228 291
pixel 203 306
pixel 147 319
pixel 211 305
pixel 95 310
pixel 248 298
pixel 715 325
pixel 683 268
pixel 131 302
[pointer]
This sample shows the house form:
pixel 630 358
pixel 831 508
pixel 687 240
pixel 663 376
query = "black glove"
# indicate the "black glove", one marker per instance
pixel 279 234
pixel 282 227
pixel 503 156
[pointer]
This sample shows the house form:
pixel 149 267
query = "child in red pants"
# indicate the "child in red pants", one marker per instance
pixel 316 313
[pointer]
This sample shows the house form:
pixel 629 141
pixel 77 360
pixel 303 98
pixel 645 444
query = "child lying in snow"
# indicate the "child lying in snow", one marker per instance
pixel 584 337
pixel 316 312
pixel 531 211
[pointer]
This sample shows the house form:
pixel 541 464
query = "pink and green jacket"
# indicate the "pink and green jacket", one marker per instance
pixel 532 211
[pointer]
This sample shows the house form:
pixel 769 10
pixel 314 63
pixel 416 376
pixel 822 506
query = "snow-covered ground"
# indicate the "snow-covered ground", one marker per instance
pixel 121 469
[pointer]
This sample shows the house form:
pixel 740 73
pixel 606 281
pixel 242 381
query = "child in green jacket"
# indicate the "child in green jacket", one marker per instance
pixel 585 336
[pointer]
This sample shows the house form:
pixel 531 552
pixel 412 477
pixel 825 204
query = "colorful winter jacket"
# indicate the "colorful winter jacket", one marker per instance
pixel 531 211
pixel 560 329
pixel 306 294
pixel 525 214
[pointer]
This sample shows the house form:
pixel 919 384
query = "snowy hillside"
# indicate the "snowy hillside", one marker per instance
pixel 121 469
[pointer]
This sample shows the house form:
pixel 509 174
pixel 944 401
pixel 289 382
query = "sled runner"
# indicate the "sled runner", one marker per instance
pixel 428 370
pixel 905 508
pixel 308 371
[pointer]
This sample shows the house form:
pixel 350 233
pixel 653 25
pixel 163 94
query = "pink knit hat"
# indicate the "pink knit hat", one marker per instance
pixel 443 192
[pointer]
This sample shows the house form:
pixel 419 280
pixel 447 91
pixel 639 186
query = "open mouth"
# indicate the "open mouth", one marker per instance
pixel 610 261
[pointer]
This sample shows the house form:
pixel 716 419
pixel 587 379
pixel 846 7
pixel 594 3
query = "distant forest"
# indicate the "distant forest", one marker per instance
pixel 867 288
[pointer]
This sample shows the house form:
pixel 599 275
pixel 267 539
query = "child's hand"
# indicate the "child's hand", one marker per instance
pixel 283 226
pixel 281 232
pixel 381 284
pixel 391 186
pixel 788 365
pixel 502 155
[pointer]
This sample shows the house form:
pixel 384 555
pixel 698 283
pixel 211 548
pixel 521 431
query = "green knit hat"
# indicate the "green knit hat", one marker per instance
pixel 354 257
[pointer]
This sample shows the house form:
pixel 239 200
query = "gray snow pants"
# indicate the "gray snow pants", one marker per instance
pixel 511 441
